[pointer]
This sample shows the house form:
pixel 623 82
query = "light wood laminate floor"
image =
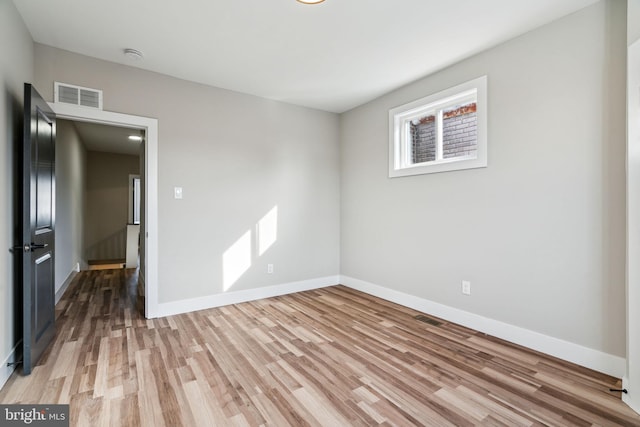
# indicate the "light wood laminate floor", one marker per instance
pixel 329 357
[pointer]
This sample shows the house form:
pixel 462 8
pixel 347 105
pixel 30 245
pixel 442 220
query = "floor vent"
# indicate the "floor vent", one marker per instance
pixel 77 95
pixel 427 319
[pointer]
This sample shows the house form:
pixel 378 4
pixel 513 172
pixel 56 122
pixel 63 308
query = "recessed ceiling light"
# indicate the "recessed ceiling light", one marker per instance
pixel 310 1
pixel 135 138
pixel 134 54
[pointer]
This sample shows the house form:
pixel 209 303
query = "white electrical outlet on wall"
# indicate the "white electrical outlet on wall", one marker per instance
pixel 466 287
pixel 177 192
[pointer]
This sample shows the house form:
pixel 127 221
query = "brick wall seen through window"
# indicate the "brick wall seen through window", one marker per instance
pixel 444 131
pixel 459 134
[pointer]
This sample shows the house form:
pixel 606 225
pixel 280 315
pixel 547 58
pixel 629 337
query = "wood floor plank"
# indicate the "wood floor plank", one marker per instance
pixel 326 357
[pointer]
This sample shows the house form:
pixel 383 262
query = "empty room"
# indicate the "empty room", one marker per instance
pixel 320 213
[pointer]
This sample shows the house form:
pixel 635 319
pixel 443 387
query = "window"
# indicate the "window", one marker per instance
pixel 134 199
pixel 441 132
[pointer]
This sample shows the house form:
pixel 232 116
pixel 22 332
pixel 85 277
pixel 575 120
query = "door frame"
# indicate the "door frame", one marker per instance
pixel 149 276
pixel 631 380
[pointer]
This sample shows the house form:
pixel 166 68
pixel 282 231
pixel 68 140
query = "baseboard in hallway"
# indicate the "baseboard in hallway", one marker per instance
pixel 65 285
pixel 106 264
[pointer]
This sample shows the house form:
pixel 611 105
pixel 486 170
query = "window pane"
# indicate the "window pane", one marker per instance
pixel 444 131
pixel 459 128
pixel 423 139
pixel 136 200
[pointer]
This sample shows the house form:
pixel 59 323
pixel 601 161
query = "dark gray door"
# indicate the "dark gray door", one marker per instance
pixel 38 215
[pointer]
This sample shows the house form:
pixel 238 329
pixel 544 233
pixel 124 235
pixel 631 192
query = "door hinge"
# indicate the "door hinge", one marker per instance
pixel 619 390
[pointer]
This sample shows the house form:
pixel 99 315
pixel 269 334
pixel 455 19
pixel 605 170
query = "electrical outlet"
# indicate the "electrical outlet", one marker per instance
pixel 177 192
pixel 270 268
pixel 466 287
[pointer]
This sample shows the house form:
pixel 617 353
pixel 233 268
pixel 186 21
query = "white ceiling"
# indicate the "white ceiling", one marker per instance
pixel 332 56
pixel 109 139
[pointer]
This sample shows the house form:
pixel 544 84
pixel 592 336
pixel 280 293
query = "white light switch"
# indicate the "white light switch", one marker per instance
pixel 177 192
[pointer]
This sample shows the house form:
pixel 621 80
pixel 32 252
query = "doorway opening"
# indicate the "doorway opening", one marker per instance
pixel 147 129
pixel 99 204
pixel 103 228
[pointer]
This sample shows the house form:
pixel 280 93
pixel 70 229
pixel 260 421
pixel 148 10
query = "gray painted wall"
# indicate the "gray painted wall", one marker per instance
pixel 16 67
pixel 71 158
pixel 107 204
pixel 540 232
pixel 236 157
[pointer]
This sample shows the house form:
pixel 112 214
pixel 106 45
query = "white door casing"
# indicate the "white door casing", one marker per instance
pixel 631 382
pixel 150 234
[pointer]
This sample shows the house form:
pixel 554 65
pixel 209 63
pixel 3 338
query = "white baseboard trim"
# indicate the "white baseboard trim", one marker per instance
pixel 565 350
pixel 628 397
pixel 5 370
pixel 66 284
pixel 218 300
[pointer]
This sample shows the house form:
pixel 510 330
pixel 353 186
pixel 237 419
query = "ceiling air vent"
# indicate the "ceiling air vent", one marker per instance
pixel 77 95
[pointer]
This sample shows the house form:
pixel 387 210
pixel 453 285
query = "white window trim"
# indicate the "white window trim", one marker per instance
pixel 131 219
pixel 399 149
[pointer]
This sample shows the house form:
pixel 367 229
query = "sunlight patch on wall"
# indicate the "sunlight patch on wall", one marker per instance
pixel 236 260
pixel 267 230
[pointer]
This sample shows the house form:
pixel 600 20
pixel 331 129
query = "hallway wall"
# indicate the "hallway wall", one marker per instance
pixel 71 170
pixel 107 204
